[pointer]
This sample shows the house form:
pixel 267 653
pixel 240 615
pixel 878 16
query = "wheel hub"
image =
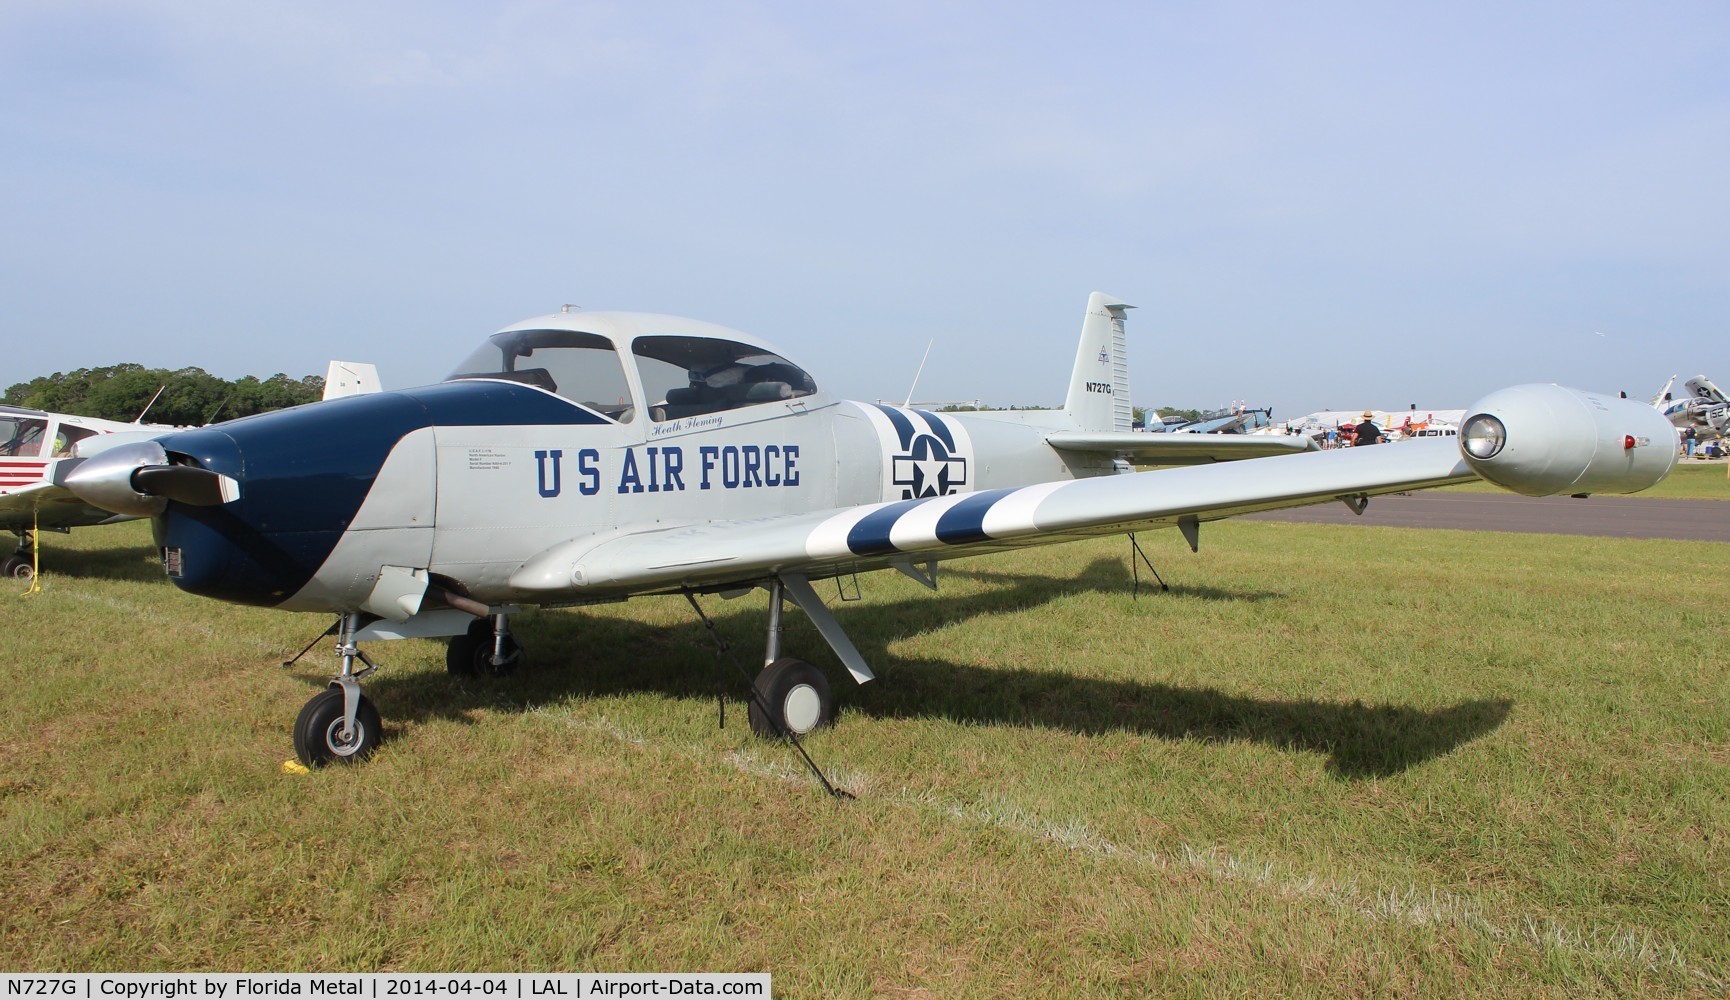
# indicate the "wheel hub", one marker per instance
pixel 333 738
pixel 802 708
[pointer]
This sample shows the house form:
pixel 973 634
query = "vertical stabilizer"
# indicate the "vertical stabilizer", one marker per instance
pixel 1702 388
pixel 350 378
pixel 1662 400
pixel 1099 385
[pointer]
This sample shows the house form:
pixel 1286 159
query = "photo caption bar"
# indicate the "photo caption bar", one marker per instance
pixel 381 985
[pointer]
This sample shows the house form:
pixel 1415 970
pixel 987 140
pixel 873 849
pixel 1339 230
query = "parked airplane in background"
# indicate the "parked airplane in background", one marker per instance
pixel 34 445
pixel 587 457
pixel 1235 419
pixel 1399 425
pixel 1705 406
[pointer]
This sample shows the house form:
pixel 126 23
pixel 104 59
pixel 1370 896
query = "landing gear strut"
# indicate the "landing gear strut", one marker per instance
pixel 488 648
pixel 340 723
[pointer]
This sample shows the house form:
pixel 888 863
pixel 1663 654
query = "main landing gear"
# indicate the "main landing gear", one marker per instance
pixel 19 566
pixel 790 697
pixel 487 648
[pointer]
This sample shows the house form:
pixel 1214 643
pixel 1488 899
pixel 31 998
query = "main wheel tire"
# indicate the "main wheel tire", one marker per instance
pixel 460 654
pixel 318 731
pixel 792 697
pixel 17 568
pixel 472 652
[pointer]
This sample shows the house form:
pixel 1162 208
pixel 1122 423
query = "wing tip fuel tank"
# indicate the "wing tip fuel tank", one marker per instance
pixel 1560 440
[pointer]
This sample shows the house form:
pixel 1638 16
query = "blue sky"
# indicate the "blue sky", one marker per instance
pixel 1321 205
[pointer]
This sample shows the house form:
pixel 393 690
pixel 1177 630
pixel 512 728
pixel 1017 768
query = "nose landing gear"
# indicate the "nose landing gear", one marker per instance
pixel 323 733
pixel 339 723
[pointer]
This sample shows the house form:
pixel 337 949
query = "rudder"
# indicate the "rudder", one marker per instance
pixel 1099 385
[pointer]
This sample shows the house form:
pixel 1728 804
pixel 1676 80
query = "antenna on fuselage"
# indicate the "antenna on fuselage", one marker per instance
pixel 921 371
pixel 140 418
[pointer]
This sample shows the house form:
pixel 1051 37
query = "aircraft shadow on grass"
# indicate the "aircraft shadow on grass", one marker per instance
pixel 111 563
pixel 573 655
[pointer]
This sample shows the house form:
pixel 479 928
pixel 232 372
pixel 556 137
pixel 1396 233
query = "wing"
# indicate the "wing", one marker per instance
pixel 1533 439
pixel 44 505
pixel 913 532
pixel 1180 449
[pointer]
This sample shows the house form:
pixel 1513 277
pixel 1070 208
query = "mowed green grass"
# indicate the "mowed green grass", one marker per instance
pixel 1330 761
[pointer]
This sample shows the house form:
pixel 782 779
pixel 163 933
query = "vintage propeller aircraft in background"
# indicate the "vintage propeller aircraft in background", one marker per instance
pixel 1705 407
pixel 585 457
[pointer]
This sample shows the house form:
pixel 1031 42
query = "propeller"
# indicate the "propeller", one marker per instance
pixel 185 484
pixel 137 479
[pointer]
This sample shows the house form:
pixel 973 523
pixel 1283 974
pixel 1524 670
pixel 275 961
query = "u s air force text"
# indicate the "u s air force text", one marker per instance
pixel 373 986
pixel 663 469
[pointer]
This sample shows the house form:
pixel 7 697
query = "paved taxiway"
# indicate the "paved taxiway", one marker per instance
pixel 1611 517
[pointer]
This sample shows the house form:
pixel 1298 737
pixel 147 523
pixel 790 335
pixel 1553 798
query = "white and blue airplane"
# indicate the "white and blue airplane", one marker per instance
pixel 588 457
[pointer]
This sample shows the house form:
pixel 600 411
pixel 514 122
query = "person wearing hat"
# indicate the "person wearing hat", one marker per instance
pixel 1367 432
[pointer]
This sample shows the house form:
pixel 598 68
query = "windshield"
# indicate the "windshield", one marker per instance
pixel 581 367
pixel 685 376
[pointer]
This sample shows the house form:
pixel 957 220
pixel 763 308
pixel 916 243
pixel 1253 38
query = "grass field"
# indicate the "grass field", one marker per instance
pixel 1330 761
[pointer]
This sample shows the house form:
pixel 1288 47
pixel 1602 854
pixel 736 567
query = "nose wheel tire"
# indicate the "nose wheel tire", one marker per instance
pixel 795 696
pixel 17 568
pixel 472 653
pixel 318 735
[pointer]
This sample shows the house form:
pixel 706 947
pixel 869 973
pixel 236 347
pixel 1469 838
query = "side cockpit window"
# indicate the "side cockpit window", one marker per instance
pixel 688 376
pixel 67 436
pixel 21 437
pixel 581 367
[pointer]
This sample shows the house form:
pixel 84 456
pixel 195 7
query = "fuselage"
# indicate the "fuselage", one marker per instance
pixel 578 425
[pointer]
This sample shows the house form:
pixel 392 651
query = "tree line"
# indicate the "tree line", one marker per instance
pixel 190 396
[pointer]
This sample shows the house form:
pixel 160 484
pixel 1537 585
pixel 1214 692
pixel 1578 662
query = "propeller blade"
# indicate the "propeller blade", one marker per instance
pixel 136 480
pixel 185 484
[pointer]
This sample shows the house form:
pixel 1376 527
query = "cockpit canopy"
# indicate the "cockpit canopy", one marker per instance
pixel 680 376
pixel 23 432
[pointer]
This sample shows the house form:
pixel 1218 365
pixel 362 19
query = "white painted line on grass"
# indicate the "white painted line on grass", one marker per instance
pixel 1414 906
